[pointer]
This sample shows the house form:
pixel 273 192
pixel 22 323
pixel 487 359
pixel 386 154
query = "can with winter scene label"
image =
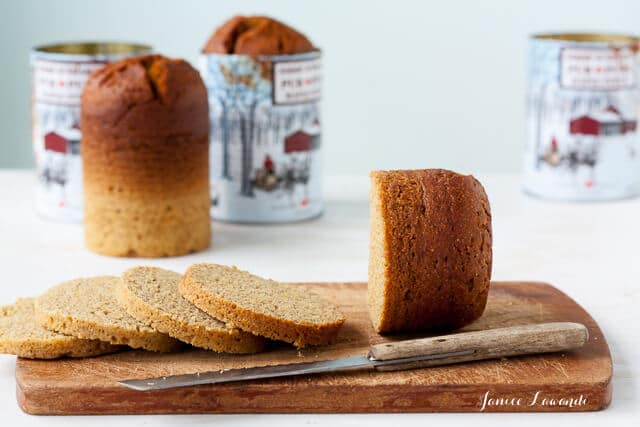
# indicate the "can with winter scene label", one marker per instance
pixel 265 136
pixel 583 108
pixel 58 75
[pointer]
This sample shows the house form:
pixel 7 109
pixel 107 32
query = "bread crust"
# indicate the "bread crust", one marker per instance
pixel 145 153
pixel 257 35
pixel 217 338
pixel 436 255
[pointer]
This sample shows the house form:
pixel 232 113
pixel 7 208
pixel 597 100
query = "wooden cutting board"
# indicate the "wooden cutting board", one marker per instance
pixel 574 381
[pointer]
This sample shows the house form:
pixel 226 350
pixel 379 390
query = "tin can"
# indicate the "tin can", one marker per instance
pixel 265 159
pixel 583 108
pixel 58 75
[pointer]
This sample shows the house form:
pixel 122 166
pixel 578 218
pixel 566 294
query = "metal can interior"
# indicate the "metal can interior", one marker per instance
pixel 587 37
pixel 95 48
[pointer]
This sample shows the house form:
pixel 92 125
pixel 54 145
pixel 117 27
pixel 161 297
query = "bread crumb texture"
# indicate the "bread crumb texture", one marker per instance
pixel 22 335
pixel 430 250
pixel 151 295
pixel 88 308
pixel 261 306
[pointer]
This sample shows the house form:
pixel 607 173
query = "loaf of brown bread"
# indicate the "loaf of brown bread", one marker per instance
pixel 430 250
pixel 145 153
pixel 257 35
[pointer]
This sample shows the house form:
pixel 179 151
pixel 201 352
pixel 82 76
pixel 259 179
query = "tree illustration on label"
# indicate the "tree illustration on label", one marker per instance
pixel 264 153
pixel 238 85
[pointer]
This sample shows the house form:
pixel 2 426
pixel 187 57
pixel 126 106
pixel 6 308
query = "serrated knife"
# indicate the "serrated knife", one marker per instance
pixel 402 355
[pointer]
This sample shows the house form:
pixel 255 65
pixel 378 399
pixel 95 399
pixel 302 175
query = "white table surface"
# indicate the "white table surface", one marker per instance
pixel 590 251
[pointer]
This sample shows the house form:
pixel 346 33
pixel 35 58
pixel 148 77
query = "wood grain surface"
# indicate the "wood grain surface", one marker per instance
pixel 578 380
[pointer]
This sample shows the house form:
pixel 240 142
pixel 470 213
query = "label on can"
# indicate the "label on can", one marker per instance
pixel 297 81
pixel 56 89
pixel 57 80
pixel 265 136
pixel 583 109
pixel 597 68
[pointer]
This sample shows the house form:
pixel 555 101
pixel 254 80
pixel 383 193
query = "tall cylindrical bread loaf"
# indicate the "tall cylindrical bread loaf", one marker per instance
pixel 430 250
pixel 145 153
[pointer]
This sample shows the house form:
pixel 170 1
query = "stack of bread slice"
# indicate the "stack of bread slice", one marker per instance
pixel 213 307
pixel 20 334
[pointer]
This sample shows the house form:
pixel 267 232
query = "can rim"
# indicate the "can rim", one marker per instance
pixel 317 53
pixel 587 37
pixel 92 48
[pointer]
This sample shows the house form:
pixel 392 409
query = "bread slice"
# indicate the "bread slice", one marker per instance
pixel 151 295
pixel 88 308
pixel 263 307
pixel 21 335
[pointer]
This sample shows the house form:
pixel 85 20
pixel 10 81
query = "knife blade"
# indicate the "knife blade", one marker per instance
pixel 262 372
pixel 400 355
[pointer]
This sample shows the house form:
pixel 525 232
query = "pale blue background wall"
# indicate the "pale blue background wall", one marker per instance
pixel 407 83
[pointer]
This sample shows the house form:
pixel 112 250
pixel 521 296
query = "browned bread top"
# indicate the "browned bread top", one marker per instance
pixel 257 35
pixel 146 95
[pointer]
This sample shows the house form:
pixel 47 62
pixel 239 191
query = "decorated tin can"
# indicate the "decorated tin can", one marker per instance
pixel 583 108
pixel 58 74
pixel 265 136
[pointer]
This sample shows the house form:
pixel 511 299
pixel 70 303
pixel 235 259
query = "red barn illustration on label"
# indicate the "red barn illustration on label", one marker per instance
pixel 61 150
pixel 586 135
pixel 297 141
pixel 55 142
pixel 603 123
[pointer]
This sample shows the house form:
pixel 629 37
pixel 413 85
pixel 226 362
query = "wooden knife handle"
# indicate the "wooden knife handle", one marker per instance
pixel 480 345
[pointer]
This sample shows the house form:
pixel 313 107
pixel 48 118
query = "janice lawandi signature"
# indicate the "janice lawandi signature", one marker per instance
pixel 536 399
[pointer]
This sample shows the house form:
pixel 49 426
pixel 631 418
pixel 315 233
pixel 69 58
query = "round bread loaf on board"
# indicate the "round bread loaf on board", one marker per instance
pixel 257 35
pixel 88 308
pixel 151 295
pixel 430 250
pixel 21 335
pixel 145 154
pixel 263 307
